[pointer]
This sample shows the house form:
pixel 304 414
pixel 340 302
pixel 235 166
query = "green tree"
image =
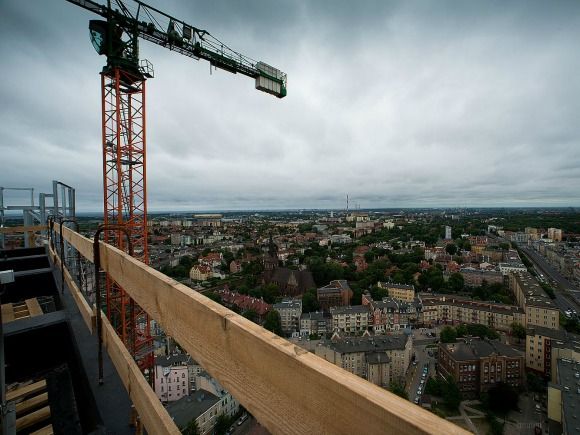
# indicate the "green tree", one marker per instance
pixel 191 428
pixel 448 335
pixel 502 398
pixel 451 394
pixel 518 330
pixel 505 246
pixel 270 292
pixel 451 248
pixel 228 257
pixel 250 315
pixel 222 424
pixel 214 297
pixel 272 322
pixel 456 282
pixel 398 389
pixel 369 256
pixel 434 386
pixel 310 301
pixel 535 383
pixel 462 330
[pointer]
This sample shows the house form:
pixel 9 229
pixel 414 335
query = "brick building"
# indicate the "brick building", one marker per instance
pixel 336 294
pixel 477 365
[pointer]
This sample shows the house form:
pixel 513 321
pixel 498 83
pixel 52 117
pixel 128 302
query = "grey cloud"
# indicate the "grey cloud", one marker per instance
pixel 424 103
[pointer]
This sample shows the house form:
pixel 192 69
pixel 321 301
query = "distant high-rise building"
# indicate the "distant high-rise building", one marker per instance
pixel 448 232
pixel 555 234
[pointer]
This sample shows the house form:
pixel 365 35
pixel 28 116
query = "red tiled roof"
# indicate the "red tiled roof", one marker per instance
pixel 245 302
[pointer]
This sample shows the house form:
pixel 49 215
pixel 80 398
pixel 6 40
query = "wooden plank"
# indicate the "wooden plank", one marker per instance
pixel 7 313
pixel 152 413
pixel 87 313
pixel 33 402
pixel 47 430
pixel 82 244
pixel 22 229
pixel 32 418
pixel 34 307
pixel 26 390
pixel 288 389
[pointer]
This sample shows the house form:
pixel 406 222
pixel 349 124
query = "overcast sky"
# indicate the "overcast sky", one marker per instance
pixel 411 103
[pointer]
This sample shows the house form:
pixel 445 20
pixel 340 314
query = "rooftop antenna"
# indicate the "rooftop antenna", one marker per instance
pixel 347 203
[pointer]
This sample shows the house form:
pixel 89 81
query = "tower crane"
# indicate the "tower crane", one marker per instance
pixel 116 36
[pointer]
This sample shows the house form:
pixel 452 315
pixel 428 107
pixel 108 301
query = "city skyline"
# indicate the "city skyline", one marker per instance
pixel 399 105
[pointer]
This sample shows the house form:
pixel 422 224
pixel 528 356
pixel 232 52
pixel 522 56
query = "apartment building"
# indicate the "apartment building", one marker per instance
pixel 453 309
pixel 512 267
pixel 336 294
pixel 379 359
pixel 540 342
pixel 539 308
pixel 290 311
pixel 316 323
pixel 171 380
pixel 352 320
pixel 476 365
pixel 205 405
pixel 555 234
pixel 390 314
pixel 475 277
pixel 200 272
pixel 402 292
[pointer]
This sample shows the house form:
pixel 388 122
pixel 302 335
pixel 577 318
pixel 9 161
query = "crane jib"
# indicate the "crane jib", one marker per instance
pixel 183 38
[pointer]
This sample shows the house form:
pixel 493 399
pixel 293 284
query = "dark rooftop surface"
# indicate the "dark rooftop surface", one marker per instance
pixel 354 309
pixel 474 348
pixel 569 380
pixel 368 344
pixel 190 407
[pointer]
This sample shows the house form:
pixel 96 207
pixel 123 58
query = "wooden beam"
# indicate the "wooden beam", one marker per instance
pixel 152 413
pixel 22 229
pixel 26 390
pixel 82 244
pixel 288 389
pixel 7 313
pixel 47 430
pixel 34 307
pixel 33 402
pixel 88 314
pixel 32 418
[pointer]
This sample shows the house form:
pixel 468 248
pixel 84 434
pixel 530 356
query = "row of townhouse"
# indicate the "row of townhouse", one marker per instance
pixel 391 314
pixel 452 309
pixel 378 359
pixel 534 307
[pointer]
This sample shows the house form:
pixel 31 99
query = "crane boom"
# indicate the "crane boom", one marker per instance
pixel 139 20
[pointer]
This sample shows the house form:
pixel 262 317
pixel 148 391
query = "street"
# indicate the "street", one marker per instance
pixel 415 372
pixel 563 287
